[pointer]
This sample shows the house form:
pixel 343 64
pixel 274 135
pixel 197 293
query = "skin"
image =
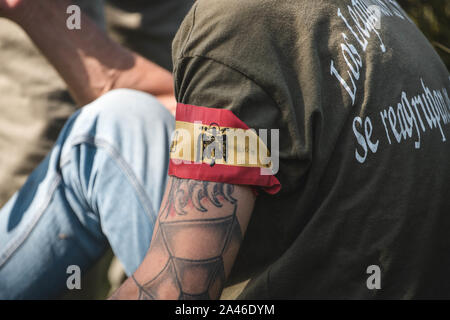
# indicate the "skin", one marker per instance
pixel 89 62
pixel 195 242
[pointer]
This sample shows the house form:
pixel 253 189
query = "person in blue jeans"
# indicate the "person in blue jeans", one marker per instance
pixel 103 181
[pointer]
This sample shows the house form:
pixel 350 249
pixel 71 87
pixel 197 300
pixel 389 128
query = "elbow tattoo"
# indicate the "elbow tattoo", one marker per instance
pixel 195 243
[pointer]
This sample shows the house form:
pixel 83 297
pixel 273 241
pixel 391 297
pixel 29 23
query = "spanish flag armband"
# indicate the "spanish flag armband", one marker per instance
pixel 214 145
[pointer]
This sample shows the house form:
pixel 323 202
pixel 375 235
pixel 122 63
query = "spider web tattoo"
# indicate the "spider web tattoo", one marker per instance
pixel 196 271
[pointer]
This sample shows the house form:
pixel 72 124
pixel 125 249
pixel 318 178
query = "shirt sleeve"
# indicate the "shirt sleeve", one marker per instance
pixel 231 87
pixel 219 120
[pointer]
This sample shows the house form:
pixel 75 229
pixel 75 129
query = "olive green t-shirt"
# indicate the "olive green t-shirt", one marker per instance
pixel 361 101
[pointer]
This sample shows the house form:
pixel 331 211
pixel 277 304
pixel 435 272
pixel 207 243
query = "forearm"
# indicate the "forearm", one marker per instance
pixel 197 237
pixel 88 61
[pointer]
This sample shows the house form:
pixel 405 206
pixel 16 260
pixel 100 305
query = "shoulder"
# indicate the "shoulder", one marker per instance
pixel 225 25
pixel 244 24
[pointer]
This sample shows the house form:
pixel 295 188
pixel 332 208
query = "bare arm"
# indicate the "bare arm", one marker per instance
pixel 199 231
pixel 90 63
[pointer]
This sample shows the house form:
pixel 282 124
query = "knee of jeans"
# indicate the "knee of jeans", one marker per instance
pixel 125 104
pixel 123 112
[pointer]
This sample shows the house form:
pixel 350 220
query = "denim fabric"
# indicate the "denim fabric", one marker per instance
pixel 102 182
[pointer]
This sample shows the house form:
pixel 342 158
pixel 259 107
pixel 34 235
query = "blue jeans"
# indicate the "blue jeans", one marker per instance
pixel 102 183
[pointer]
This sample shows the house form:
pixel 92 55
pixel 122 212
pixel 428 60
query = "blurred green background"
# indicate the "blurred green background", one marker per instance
pixel 433 18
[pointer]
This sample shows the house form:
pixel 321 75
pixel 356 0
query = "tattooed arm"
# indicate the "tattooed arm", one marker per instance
pixel 196 239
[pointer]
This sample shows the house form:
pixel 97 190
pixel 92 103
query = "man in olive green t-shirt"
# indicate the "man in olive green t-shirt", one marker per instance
pixel 361 102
